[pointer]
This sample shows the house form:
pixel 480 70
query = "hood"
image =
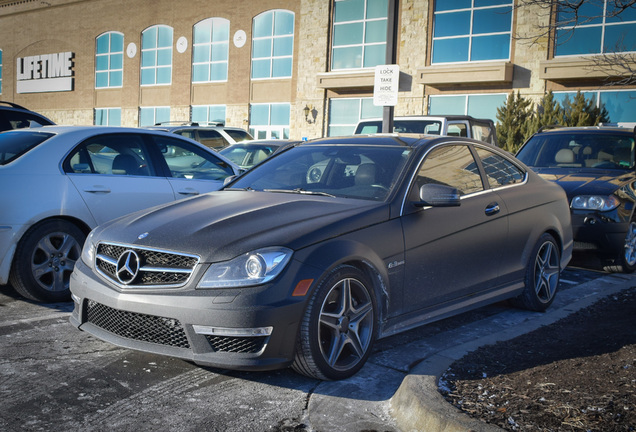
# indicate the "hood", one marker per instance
pixel 587 182
pixel 222 225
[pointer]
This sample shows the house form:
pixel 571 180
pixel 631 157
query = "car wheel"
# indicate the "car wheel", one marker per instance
pixel 542 276
pixel 626 260
pixel 44 261
pixel 339 326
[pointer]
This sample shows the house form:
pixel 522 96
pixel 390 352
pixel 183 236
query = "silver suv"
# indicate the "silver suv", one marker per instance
pixel 213 135
pixel 450 125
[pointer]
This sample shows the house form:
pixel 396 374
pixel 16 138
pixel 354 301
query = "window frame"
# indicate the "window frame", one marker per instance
pixel 156 50
pixel 272 37
pixel 210 45
pixel 363 44
pixel 154 114
pixel 471 35
pixel 109 55
pixel 570 30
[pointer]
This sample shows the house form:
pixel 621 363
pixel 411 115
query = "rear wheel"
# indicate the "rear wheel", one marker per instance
pixel 626 260
pixel 339 326
pixel 542 276
pixel 44 261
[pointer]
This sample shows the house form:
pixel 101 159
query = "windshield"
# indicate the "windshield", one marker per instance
pixel 15 144
pixel 366 172
pixel 248 155
pixel 579 150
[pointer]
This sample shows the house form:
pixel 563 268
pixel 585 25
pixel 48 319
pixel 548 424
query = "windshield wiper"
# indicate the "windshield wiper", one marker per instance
pixel 240 189
pixel 300 191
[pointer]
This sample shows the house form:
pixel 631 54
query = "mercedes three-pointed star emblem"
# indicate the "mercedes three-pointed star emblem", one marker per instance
pixel 127 267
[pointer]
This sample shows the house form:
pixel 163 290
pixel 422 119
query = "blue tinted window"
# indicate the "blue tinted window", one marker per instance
pixel 478 106
pixel 359 34
pixel 492 20
pixel 450 50
pixel 349 10
pixel 208 113
pixel 109 60
pixel 107 116
pixel 344 114
pixel 490 47
pixel 590 31
pixel 273 44
pixel 149 116
pixel 582 40
pixel 471 31
pixel 619 105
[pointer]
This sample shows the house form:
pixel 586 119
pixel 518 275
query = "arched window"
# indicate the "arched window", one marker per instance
pixel 273 44
pixel 210 50
pixel 109 60
pixel 156 55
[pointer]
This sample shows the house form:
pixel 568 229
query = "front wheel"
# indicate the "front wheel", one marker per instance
pixel 44 261
pixel 339 326
pixel 542 275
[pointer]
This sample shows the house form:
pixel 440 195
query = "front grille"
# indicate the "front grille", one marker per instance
pixel 244 345
pixel 136 326
pixel 155 268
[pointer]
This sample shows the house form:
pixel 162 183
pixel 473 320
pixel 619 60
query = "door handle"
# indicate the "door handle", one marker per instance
pixel 188 191
pixel 97 189
pixel 492 209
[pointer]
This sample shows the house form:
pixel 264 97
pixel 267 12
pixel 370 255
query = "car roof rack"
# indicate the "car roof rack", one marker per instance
pixel 548 127
pixel 187 123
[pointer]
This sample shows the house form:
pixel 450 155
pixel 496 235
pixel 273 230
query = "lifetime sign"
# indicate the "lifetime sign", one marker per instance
pixel 385 86
pixel 45 73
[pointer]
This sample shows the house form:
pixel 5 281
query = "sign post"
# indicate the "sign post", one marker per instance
pixel 385 92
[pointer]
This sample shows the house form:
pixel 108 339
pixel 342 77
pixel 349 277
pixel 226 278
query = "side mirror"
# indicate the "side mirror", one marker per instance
pixel 436 195
pixel 229 179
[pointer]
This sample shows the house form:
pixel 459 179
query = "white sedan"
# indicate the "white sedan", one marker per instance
pixel 57 183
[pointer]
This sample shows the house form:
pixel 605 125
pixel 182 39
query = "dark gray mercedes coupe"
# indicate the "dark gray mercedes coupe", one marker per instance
pixel 308 258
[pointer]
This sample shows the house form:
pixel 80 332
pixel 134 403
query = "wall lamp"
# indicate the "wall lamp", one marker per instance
pixel 310 113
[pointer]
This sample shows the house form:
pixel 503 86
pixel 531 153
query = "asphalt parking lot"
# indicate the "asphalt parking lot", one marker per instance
pixel 53 377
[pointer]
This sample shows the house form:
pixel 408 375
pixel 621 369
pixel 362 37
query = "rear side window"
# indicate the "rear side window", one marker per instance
pixel 111 154
pixel 499 170
pixel 15 144
pixel 239 135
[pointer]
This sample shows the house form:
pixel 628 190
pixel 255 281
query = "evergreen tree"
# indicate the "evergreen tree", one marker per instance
pixel 583 112
pixel 512 122
pixel 547 113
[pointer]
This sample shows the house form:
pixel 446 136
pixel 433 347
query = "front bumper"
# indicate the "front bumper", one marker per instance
pixel 178 322
pixel 596 233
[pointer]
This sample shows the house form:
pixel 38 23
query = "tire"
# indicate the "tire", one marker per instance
pixel 625 262
pixel 44 261
pixel 542 276
pixel 339 326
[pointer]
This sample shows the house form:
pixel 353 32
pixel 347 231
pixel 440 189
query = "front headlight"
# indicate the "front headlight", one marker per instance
pixel 253 268
pixel 88 251
pixel 595 202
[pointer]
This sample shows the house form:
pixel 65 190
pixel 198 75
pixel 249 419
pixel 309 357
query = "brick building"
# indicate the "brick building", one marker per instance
pixel 297 68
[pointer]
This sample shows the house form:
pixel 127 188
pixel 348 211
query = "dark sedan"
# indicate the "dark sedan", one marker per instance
pixel 309 257
pixel 595 167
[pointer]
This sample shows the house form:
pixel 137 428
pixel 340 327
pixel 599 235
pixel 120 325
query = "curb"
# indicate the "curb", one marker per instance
pixel 417 405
